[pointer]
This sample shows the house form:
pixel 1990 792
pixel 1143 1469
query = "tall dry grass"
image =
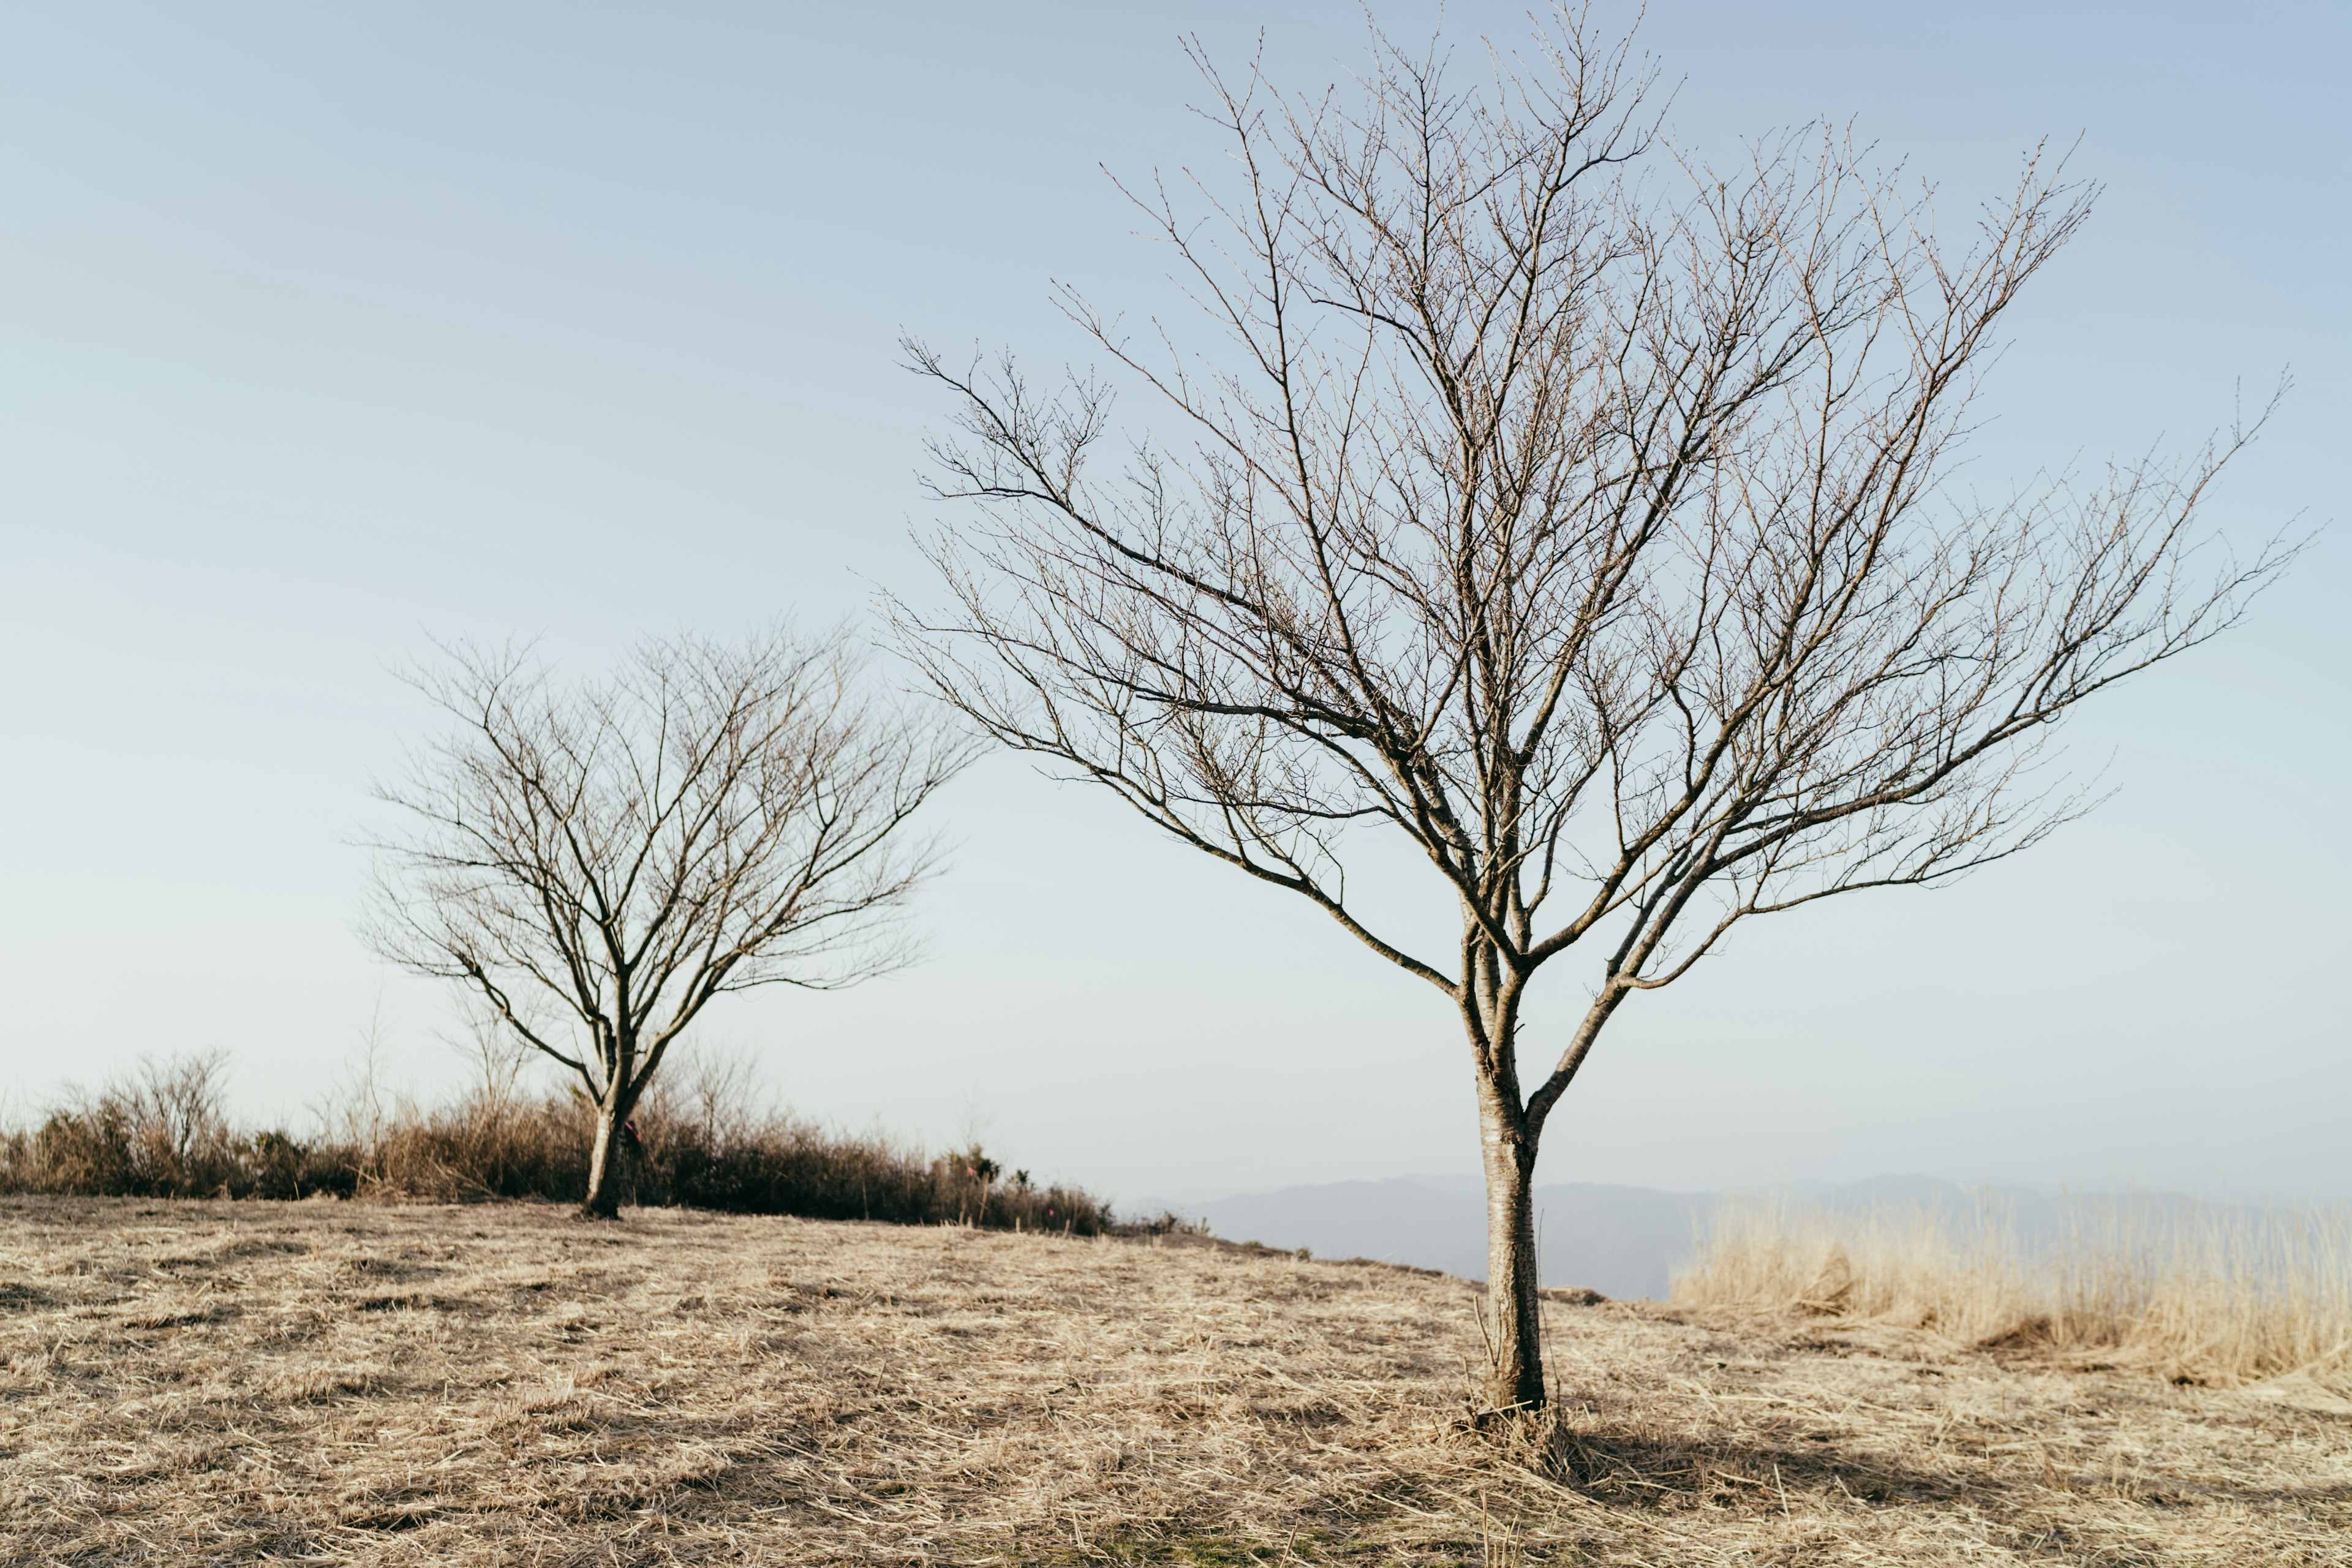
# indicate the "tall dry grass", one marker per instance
pixel 708 1140
pixel 2209 1293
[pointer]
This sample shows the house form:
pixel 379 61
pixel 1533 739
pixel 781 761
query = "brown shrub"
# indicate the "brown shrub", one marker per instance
pixel 164 1132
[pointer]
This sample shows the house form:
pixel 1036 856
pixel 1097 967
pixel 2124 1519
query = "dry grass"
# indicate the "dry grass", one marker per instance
pixel 343 1382
pixel 2211 1293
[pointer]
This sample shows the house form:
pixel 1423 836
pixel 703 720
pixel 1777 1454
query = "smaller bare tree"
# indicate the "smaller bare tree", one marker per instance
pixel 597 859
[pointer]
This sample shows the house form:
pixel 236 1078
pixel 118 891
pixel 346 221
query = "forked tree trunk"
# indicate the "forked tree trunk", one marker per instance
pixel 1514 1308
pixel 608 1160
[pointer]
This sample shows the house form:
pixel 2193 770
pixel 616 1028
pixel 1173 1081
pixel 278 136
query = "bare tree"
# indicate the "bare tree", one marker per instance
pixel 597 859
pixel 1593 530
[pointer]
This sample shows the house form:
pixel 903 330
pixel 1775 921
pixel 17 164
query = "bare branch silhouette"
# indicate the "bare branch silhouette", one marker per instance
pixel 1595 531
pixel 597 860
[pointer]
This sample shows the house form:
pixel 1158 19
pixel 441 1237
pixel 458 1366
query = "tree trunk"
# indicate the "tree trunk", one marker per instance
pixel 1514 1321
pixel 608 1159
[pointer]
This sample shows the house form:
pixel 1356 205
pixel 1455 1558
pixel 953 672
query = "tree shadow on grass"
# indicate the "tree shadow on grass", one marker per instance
pixel 1619 1463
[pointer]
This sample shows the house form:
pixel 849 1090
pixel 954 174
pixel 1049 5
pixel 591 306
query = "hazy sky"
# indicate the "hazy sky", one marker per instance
pixel 326 330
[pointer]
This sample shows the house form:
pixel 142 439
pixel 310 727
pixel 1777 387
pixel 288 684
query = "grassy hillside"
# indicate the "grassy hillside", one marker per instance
pixel 213 1383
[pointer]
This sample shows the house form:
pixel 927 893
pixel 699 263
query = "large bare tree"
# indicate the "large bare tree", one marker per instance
pixel 597 859
pixel 1582 513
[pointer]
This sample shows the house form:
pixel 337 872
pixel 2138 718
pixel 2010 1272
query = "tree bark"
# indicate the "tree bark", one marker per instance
pixel 1514 1322
pixel 608 1157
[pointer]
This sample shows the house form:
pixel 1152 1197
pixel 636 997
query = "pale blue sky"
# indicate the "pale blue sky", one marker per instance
pixel 325 329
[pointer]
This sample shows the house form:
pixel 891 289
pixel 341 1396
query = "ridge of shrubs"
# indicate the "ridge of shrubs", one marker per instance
pixel 163 1132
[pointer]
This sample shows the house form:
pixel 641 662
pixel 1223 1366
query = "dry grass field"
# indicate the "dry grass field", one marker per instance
pixel 2222 1294
pixel 196 1383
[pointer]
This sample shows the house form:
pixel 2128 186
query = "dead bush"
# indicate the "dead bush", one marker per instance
pixel 705 1141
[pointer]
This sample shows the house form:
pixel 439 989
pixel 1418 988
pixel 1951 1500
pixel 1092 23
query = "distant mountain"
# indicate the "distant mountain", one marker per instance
pixel 1620 1241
